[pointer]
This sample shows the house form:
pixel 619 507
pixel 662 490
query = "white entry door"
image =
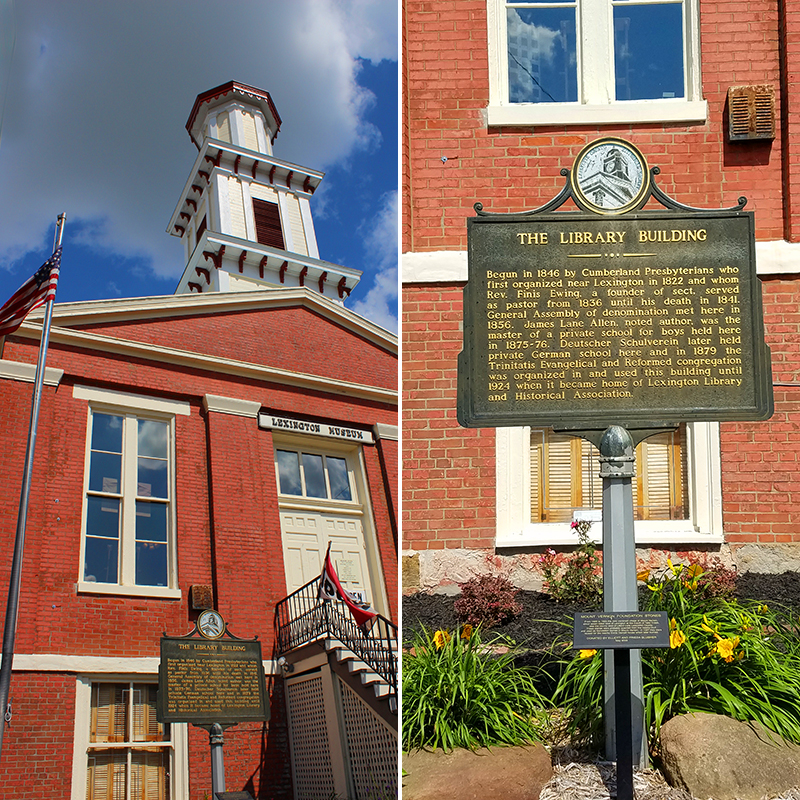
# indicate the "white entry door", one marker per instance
pixel 319 504
pixel 305 539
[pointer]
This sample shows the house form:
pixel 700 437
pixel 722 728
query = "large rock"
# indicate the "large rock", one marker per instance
pixel 505 773
pixel 717 757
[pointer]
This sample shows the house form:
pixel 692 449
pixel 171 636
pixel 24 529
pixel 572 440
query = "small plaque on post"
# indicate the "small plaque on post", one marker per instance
pixel 620 630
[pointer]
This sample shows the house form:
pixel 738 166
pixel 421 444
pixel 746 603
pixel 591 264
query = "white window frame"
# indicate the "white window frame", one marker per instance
pixel 596 85
pixel 703 526
pixel 179 739
pixel 132 407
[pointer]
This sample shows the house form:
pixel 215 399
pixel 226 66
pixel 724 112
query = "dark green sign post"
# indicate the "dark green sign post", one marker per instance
pixel 613 323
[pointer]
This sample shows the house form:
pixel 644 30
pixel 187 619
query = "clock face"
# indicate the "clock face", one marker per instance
pixel 609 177
pixel 211 624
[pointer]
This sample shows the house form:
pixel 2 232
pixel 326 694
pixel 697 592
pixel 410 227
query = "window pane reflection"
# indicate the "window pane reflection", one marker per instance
pixel 289 473
pixel 542 55
pixel 314 475
pixel 648 51
pixel 340 481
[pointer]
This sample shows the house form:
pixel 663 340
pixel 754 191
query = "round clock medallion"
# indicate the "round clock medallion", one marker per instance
pixel 211 624
pixel 610 176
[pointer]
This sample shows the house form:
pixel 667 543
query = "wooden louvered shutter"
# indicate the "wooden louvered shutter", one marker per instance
pixel 106 776
pixel 561 479
pixel 658 477
pixel 108 713
pixel 268 224
pixel 147 775
pixel 591 495
pixel 146 728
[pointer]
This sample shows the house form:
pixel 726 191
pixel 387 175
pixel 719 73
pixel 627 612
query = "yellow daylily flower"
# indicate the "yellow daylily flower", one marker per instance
pixel 466 632
pixel 643 575
pixel 725 648
pixel 587 653
pixel 440 639
pixel 763 608
pixel 676 639
pixel 694 571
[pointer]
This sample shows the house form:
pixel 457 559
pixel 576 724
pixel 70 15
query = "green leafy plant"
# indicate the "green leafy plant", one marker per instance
pixel 487 601
pixel 460 692
pixel 737 659
pixel 576 577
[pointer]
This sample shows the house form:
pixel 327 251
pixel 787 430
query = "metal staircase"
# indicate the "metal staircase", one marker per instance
pixel 365 660
pixel 341 697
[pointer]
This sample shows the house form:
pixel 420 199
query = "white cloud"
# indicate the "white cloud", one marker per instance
pixel 380 243
pixel 99 93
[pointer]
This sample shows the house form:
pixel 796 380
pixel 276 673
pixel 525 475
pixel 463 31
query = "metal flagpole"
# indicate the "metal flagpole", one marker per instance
pixel 10 630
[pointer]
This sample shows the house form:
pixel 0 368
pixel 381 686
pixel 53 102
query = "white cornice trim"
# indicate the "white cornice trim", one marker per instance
pixel 441 266
pixel 384 431
pixel 140 401
pixel 134 308
pixel 17 371
pixel 777 257
pixel 226 366
pixel 231 405
pixel 53 662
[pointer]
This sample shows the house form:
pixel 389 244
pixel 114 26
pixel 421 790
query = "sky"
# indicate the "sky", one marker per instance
pixel 94 98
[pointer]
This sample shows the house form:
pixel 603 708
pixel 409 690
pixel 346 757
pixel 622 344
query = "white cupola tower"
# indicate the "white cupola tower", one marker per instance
pixel 244 216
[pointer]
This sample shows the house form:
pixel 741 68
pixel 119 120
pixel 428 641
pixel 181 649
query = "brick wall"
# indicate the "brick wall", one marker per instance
pixel 448 471
pixel 515 169
pixel 452 160
pixel 228 527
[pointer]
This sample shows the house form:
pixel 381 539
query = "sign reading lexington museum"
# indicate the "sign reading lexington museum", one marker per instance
pixel 596 318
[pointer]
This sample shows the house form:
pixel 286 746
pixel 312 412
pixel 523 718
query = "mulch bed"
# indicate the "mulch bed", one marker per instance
pixel 543 619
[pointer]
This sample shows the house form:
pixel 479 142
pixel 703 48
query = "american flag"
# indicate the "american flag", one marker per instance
pixel 38 289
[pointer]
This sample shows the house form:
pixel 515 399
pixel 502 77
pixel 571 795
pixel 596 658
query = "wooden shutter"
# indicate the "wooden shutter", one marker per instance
pixel 108 713
pixel 565 476
pixel 659 478
pixel 268 224
pixel 147 775
pixel 106 776
pixel 560 478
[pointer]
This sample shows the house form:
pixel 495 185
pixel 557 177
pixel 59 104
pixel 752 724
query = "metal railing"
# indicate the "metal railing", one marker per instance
pixel 302 617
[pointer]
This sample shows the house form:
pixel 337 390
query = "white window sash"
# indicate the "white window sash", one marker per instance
pixel 103 402
pixel 596 80
pixel 513 509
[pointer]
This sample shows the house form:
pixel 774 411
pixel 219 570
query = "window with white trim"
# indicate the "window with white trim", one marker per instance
pixel 562 61
pixel 544 480
pixel 129 752
pixel 314 474
pixel 128 534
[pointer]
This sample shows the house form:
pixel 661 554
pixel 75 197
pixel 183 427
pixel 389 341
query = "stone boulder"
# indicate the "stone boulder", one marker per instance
pixel 504 773
pixel 712 756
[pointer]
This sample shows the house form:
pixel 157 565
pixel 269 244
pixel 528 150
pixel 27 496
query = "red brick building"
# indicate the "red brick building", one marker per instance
pixel 202 451
pixel 498 98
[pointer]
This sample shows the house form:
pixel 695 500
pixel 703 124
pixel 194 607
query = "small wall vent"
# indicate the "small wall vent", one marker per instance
pixel 751 113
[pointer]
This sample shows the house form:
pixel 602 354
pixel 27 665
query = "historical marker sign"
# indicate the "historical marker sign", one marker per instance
pixel 620 630
pixel 205 680
pixel 588 319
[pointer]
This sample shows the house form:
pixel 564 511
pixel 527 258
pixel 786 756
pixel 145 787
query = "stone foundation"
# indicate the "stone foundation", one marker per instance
pixel 442 571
